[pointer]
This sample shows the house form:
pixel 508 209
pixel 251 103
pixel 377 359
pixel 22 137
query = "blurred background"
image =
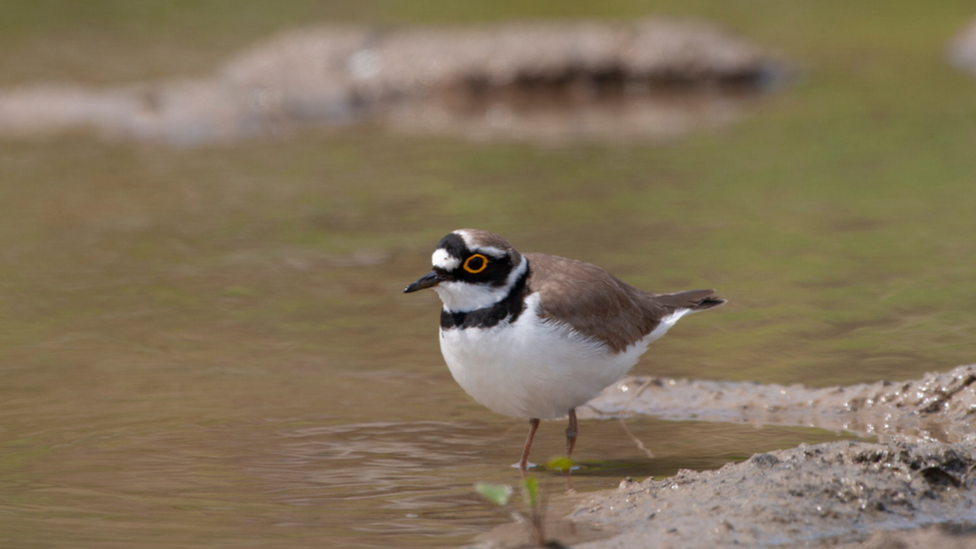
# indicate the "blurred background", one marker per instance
pixel 204 341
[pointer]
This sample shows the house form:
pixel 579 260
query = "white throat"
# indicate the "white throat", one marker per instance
pixel 464 297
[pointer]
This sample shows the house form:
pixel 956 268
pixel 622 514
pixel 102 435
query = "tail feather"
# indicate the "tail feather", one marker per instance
pixel 696 300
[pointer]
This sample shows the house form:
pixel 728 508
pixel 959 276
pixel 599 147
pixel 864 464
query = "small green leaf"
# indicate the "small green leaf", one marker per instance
pixel 561 463
pixel 531 486
pixel 495 493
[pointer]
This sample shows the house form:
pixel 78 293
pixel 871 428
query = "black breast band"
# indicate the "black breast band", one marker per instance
pixel 508 309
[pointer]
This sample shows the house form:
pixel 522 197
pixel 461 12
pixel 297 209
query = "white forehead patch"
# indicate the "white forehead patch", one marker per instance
pixel 466 237
pixel 445 260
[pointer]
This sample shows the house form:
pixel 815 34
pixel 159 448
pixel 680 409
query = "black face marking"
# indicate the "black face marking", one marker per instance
pixel 445 274
pixel 455 246
pixel 508 309
pixel 495 273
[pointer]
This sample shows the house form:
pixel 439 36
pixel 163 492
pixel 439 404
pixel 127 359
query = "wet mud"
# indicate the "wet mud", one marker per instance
pixel 939 406
pixel 829 492
pixel 849 494
pixel 529 81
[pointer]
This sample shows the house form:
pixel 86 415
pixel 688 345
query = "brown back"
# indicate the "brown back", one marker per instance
pixel 600 305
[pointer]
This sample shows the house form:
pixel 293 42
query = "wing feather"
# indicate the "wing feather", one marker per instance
pixel 601 306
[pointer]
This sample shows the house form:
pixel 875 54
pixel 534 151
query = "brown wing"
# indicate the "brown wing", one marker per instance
pixel 600 305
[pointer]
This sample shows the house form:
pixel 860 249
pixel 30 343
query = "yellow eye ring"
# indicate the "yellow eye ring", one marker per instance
pixel 473 270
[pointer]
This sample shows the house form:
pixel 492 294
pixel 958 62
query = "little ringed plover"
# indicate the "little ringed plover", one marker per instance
pixel 535 336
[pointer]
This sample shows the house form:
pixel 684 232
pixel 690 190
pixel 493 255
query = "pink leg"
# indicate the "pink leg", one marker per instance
pixel 524 462
pixel 571 433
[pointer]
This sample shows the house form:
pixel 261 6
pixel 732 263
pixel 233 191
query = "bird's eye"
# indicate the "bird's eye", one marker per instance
pixel 475 264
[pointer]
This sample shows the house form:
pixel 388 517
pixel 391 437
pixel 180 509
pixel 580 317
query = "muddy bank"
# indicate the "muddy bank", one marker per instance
pixel 828 493
pixel 939 406
pixel 943 536
pixel 535 81
pixel 841 494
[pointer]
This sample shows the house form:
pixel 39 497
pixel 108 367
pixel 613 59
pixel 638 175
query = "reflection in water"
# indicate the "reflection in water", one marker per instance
pixel 600 115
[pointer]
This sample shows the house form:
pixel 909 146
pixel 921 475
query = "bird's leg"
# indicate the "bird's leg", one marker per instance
pixel 524 462
pixel 571 433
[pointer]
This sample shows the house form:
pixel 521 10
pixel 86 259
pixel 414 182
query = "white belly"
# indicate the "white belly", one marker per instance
pixel 531 368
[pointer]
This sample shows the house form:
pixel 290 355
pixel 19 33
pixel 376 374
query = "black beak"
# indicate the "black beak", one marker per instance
pixel 428 280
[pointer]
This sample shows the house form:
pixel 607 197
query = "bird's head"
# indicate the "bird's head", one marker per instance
pixel 472 269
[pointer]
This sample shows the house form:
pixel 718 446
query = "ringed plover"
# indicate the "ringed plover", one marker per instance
pixel 535 336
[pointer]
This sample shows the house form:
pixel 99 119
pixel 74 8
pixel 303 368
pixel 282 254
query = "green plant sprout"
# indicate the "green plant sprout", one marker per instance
pixel 501 494
pixel 498 494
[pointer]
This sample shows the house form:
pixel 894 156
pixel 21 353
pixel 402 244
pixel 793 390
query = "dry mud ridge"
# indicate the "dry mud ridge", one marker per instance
pixel 529 81
pixel 915 487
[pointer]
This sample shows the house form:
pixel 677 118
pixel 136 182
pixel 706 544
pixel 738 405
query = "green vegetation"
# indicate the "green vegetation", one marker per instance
pixel 499 494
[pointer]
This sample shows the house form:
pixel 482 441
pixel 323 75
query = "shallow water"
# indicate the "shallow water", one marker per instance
pixel 105 478
pixel 209 346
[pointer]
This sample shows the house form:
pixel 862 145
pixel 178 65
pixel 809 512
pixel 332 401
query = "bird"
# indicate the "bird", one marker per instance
pixel 535 336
